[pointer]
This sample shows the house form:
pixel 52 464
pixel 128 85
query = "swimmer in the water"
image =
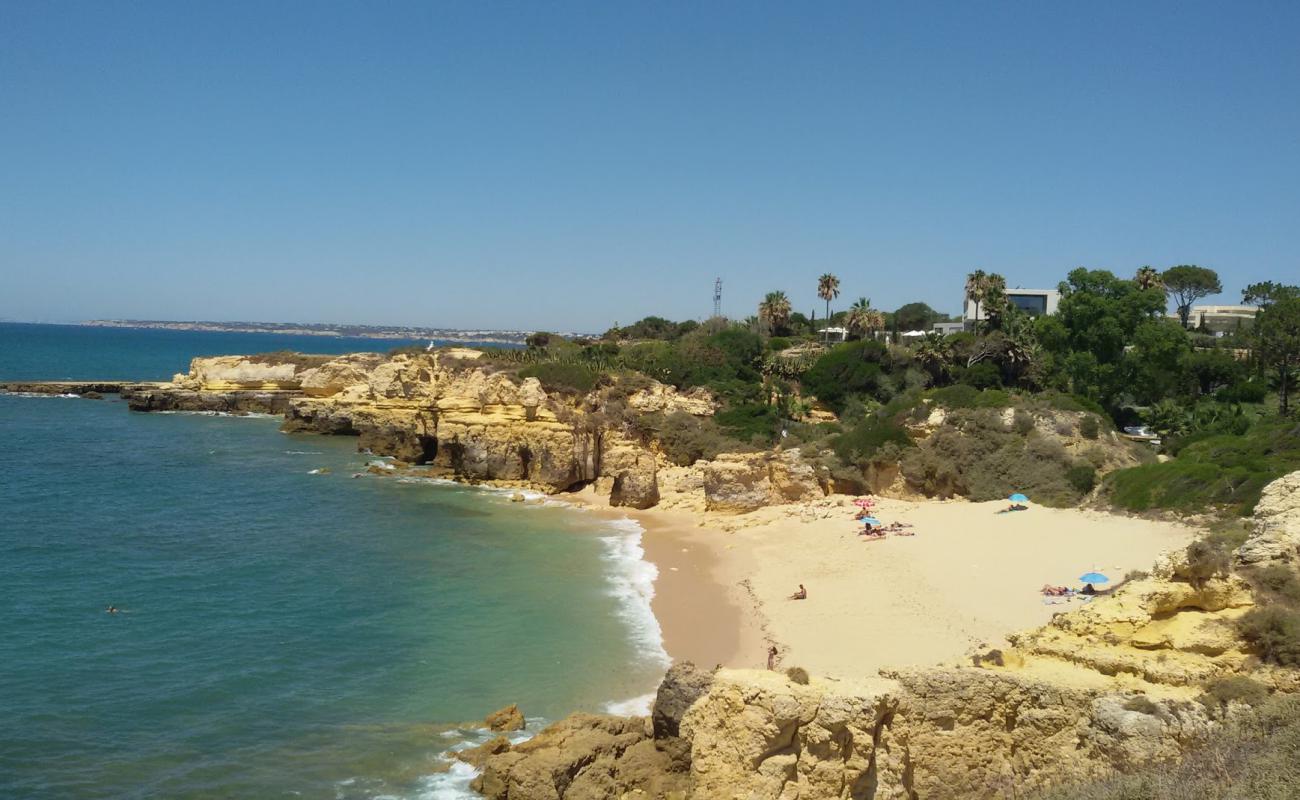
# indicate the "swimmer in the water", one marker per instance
pixel 111 609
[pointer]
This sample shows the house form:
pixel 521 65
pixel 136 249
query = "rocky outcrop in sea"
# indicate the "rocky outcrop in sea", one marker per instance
pixel 454 414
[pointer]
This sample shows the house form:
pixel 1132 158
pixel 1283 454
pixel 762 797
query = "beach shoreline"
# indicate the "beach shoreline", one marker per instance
pixel 966 580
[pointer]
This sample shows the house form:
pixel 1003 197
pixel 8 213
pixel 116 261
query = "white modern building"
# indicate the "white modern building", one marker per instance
pixel 947 328
pixel 1220 320
pixel 1034 302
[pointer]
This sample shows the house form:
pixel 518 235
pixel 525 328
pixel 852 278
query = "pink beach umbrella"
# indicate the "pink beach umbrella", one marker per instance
pixel 864 502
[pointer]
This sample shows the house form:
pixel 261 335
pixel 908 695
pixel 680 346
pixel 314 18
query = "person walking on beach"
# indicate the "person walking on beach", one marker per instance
pixel 771 657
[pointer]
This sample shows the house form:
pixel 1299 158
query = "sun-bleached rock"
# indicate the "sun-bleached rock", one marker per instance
pixel 1276 537
pixel 662 399
pixel 737 483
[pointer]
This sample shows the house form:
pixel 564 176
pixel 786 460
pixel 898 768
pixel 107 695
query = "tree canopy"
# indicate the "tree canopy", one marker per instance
pixel 1188 283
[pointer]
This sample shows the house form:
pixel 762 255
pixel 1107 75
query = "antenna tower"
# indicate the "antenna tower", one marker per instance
pixel 717 297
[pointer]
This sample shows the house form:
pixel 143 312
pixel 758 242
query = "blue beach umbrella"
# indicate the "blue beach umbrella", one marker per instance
pixel 1094 577
pixel 1018 498
pixel 871 520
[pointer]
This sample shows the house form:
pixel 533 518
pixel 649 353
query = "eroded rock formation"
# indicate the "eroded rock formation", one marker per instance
pixel 452 413
pixel 1114 684
pixel 736 483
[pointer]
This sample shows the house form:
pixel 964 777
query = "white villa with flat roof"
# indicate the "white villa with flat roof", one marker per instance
pixel 1034 302
pixel 1220 320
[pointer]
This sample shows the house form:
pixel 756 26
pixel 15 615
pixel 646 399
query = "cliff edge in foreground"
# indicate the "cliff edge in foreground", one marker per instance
pixel 1116 685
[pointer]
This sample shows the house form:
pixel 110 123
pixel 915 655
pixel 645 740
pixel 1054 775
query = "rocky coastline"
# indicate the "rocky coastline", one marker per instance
pixel 1110 686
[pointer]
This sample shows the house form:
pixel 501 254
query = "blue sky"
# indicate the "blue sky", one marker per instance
pixel 567 166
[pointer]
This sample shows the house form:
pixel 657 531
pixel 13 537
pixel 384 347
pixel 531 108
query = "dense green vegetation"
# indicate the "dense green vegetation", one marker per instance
pixel 1110 357
pixel 1225 470
pixel 1257 757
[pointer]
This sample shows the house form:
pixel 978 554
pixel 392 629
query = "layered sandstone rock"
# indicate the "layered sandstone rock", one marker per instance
pixel 737 483
pixel 232 373
pixel 1276 537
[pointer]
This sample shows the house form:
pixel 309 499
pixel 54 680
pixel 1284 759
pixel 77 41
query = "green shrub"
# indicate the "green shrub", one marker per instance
pixel 1219 693
pixel 1253 757
pixel 1206 559
pixel 984 375
pixel 570 378
pixel 1083 477
pixel 797 675
pixel 847 370
pixel 1022 422
pixel 1223 470
pixel 1274 631
pixel 963 396
pixel 299 360
pixel 860 443
pixel 1071 402
pixel 1279 582
pixel 685 439
pixel 974 455
pixel 1089 427
pixel 778 343
pixel 748 421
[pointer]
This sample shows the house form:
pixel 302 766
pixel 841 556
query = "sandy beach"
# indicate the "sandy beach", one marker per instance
pixel 968 577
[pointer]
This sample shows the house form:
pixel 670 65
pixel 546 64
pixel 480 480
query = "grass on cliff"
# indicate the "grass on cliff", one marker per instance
pixel 1256 757
pixel 1226 472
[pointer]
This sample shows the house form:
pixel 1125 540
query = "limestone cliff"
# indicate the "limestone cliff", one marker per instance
pixel 1115 684
pixel 453 413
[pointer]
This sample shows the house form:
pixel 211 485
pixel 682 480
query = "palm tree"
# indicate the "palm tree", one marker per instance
pixel 774 311
pixel 863 319
pixel 934 353
pixel 828 288
pixel 977 285
pixel 995 300
pixel 1148 278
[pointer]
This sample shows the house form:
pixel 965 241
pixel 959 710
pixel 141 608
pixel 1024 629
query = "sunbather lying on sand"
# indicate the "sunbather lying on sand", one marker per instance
pixel 1056 591
pixel 873 534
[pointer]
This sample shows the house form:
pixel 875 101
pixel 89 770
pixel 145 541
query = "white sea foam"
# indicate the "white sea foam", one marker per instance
pixel 249 415
pixel 37 394
pixel 632 707
pixel 302 452
pixel 631 582
pixel 454 783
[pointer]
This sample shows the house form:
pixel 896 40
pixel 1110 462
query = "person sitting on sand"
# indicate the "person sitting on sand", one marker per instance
pixel 1089 589
pixel 802 594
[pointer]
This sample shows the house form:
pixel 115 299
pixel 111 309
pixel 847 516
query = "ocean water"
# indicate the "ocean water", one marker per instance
pixel 78 352
pixel 286 629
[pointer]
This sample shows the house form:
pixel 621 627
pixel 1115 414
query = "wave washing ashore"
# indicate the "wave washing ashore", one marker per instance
pixel 284 628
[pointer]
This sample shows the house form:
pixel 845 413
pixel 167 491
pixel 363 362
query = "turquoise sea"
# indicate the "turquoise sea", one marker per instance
pixel 287 629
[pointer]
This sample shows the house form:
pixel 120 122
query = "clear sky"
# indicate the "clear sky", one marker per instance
pixel 566 166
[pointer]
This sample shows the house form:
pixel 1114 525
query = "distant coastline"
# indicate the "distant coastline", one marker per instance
pixel 321 329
